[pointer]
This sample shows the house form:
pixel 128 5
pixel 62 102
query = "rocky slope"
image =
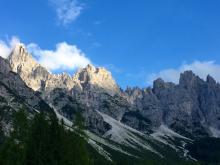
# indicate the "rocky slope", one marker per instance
pixel 15 95
pixel 190 108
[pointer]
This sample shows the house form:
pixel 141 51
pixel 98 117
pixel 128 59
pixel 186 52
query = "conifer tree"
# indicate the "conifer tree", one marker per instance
pixel 55 138
pixel 2 135
pixel 81 153
pixel 13 150
pixel 43 141
pixel 20 127
pixel 38 142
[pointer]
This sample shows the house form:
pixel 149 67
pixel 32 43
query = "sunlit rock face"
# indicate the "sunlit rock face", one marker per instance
pixel 97 77
pixel 36 76
pixel 39 78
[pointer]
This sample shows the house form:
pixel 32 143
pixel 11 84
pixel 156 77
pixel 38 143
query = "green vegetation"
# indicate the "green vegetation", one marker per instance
pixel 206 150
pixel 42 141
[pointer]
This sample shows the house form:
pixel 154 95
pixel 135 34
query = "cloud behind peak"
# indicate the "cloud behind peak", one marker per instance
pixel 7 46
pixel 200 68
pixel 65 57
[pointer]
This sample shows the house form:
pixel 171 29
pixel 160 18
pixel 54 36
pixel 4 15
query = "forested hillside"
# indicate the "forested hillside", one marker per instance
pixel 42 141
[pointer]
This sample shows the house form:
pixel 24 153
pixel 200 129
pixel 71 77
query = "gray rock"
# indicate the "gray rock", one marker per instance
pixel 191 107
pixel 16 95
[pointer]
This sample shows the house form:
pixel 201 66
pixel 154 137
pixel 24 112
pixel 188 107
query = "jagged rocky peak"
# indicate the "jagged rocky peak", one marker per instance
pixel 210 80
pixel 20 59
pixel 131 94
pixel 159 83
pixel 24 64
pixel 131 91
pixel 97 77
pixel 188 79
pixel 39 78
pixel 33 74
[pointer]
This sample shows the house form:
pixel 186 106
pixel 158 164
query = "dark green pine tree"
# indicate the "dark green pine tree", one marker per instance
pixel 13 150
pixel 55 133
pixel 79 123
pixel 2 135
pixel 10 153
pixel 39 143
pixel 43 141
pixel 20 127
pixel 80 138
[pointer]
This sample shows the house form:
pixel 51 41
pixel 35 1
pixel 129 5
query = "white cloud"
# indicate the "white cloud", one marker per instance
pixel 200 68
pixel 7 47
pixel 65 57
pixel 67 10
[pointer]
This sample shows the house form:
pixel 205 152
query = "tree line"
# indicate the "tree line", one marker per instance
pixel 43 140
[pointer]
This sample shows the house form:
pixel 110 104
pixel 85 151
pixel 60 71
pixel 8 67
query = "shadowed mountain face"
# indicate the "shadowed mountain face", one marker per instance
pixel 16 95
pixel 191 108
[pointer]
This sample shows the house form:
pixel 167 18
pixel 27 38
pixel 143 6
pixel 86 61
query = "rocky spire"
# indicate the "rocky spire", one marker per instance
pixel 30 71
pixel 97 77
pixel 19 58
pixel 38 78
pixel 158 84
pixel 187 78
pixel 210 80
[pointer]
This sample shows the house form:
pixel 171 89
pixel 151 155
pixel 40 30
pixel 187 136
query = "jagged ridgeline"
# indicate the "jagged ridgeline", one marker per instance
pixel 164 124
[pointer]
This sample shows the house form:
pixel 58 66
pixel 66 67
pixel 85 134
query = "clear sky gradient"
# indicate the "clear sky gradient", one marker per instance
pixel 133 39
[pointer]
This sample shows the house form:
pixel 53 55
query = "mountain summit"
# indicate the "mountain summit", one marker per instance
pixel 39 78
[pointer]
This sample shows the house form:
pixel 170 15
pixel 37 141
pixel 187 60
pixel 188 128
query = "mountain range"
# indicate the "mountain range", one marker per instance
pixel 159 122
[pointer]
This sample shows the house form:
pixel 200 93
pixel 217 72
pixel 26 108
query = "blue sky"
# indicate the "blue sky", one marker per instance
pixel 137 41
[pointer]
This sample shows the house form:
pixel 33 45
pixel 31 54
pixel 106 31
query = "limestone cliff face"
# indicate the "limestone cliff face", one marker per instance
pixel 34 75
pixel 39 79
pixel 97 78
